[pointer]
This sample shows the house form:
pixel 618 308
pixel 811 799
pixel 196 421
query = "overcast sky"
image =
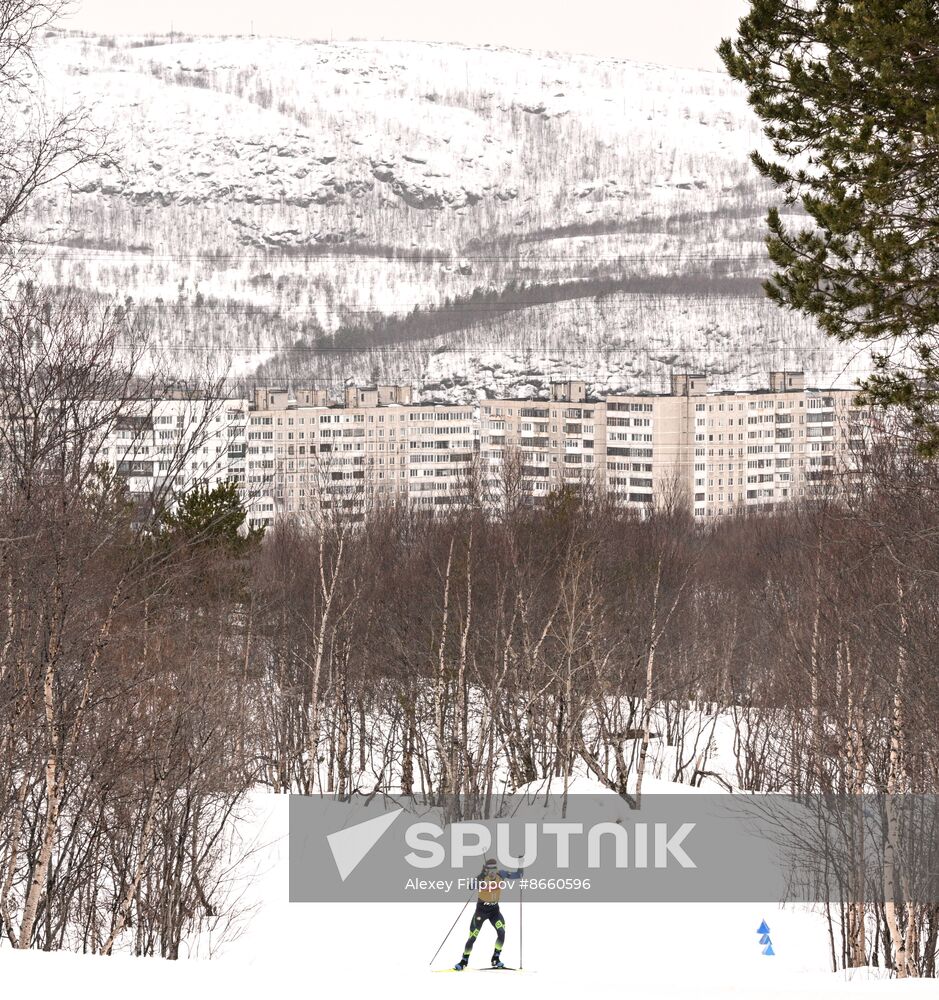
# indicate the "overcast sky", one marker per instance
pixel 677 32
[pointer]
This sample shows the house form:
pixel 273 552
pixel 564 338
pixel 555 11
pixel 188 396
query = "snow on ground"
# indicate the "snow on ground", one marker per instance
pixel 383 950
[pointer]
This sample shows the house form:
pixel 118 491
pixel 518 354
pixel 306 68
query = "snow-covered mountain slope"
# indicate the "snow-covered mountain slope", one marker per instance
pixel 304 143
pixel 620 342
pixel 279 190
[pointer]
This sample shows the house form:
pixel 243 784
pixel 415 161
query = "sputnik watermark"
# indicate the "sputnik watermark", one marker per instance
pixel 350 846
pixel 677 848
pixel 468 841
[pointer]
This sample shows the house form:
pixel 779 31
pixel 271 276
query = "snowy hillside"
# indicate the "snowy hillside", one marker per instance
pixel 279 191
pixel 623 342
pixel 411 145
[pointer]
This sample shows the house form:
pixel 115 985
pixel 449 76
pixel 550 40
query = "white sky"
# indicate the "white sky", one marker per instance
pixel 676 32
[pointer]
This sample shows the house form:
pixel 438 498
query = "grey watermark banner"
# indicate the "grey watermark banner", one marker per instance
pixel 692 847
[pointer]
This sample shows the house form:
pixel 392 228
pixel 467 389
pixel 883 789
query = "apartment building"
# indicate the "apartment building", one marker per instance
pixel 169 445
pixel 301 454
pixel 531 447
pixel 729 452
pixel 646 446
pixel 309 458
pixel 719 453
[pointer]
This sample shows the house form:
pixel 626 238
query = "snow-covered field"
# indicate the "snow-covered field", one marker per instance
pixel 385 949
pixel 378 950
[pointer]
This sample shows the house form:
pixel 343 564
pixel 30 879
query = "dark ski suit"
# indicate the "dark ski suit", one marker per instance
pixel 487 908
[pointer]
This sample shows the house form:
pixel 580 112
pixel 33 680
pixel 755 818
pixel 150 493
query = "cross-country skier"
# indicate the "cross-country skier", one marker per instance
pixel 489 883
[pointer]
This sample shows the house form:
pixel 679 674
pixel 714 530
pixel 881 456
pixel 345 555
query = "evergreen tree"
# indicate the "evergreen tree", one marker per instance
pixel 848 91
pixel 210 516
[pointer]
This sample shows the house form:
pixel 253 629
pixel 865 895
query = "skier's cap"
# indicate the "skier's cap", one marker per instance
pixel 491 863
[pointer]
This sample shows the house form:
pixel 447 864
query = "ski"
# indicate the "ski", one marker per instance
pixel 482 968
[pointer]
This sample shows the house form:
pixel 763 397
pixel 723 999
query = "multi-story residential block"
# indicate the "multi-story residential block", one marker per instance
pixel 727 452
pixel 717 453
pixel 164 447
pixel 530 447
pixel 309 458
pixel 300 454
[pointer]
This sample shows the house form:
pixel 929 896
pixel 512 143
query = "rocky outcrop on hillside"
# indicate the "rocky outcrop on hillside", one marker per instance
pixel 372 126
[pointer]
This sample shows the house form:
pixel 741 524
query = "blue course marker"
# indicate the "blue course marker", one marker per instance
pixel 763 928
pixel 768 950
pixel 764 939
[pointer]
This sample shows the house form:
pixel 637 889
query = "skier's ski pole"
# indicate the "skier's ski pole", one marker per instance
pixel 521 928
pixel 449 932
